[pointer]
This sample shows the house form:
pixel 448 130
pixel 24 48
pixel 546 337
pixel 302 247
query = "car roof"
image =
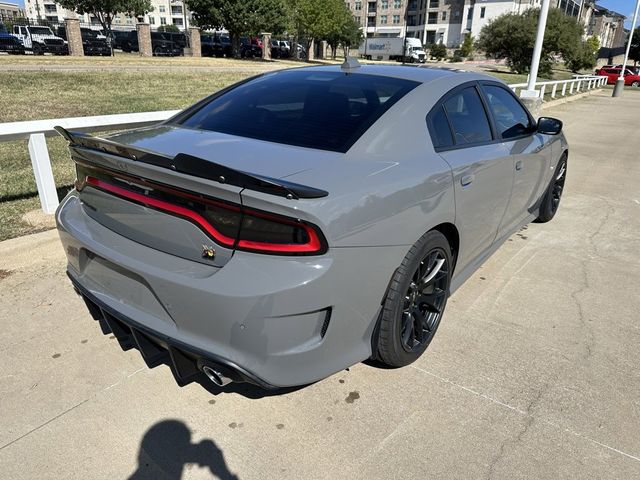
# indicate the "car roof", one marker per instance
pixel 422 74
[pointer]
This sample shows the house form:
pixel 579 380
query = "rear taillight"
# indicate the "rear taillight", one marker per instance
pixel 229 225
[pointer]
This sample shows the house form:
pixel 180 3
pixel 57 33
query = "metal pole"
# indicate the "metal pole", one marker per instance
pixel 537 52
pixel 619 88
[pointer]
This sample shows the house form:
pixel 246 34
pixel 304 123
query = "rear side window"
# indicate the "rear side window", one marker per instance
pixel 511 120
pixel 467 117
pixel 321 110
pixel 440 131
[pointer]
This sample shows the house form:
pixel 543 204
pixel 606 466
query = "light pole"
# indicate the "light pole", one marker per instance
pixel 619 88
pixel 531 92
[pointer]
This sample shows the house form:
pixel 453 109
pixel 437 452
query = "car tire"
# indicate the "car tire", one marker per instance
pixel 38 49
pixel 551 200
pixel 635 84
pixel 411 311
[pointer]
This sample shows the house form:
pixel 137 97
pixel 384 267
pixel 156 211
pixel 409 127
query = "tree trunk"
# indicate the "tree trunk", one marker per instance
pixel 235 44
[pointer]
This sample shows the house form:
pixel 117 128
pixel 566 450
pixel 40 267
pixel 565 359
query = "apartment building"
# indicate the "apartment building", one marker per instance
pixel 9 11
pixel 164 12
pixel 608 26
pixel 449 21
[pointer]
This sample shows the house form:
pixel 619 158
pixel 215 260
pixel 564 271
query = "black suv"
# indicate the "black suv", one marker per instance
pixel 215 46
pixel 92 43
pixel 161 44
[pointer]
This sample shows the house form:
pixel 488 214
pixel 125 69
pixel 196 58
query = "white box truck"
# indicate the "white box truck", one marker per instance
pixel 392 48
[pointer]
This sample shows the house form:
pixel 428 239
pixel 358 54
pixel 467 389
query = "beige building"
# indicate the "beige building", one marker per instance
pixel 10 10
pixel 608 26
pixel 449 21
pixel 164 12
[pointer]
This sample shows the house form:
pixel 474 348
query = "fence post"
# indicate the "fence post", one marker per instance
pixel 144 40
pixel 553 90
pixel 564 88
pixel 74 37
pixel 196 46
pixel 266 46
pixel 41 164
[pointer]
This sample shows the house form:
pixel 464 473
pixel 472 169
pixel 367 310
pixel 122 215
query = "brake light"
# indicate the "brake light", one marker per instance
pixel 229 225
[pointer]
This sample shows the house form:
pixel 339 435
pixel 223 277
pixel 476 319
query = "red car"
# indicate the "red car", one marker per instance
pixel 614 72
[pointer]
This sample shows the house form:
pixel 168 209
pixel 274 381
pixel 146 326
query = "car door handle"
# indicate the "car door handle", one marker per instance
pixel 467 180
pixel 519 165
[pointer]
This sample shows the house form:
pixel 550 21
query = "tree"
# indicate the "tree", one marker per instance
pixel 466 49
pixel 106 10
pixel 634 52
pixel 240 17
pixel 313 19
pixel 345 31
pixel 582 58
pixel 512 36
pixel 438 51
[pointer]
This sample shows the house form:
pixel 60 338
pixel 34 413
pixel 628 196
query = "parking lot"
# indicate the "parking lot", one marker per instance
pixel 533 373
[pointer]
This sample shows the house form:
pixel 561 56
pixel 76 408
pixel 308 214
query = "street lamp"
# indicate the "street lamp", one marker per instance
pixel 531 92
pixel 619 88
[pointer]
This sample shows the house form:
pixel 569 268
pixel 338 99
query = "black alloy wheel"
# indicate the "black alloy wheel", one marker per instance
pixel 551 200
pixel 415 301
pixel 424 301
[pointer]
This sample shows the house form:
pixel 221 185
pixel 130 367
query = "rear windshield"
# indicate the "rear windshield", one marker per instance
pixel 321 110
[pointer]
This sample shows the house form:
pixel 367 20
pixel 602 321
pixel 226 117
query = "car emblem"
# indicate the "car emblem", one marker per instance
pixel 208 252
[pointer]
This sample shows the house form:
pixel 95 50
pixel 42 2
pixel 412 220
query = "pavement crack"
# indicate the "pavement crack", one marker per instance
pixel 44 424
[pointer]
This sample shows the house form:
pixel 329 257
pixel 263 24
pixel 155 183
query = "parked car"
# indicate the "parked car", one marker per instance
pixel 613 73
pixel 250 48
pixel 121 38
pixel 215 45
pixel 305 220
pixel 93 44
pixel 634 69
pixel 161 44
pixel 40 40
pixel 9 43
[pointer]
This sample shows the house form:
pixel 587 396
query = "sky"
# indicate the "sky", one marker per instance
pixel 625 7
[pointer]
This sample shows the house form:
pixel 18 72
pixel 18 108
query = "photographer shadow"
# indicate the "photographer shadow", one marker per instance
pixel 166 449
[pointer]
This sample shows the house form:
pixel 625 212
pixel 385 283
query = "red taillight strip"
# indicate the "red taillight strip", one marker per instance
pixel 314 245
pixel 165 206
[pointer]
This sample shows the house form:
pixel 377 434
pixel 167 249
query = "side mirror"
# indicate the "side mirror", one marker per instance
pixel 549 126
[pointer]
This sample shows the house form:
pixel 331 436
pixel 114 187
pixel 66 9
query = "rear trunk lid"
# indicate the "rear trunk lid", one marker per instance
pixel 169 189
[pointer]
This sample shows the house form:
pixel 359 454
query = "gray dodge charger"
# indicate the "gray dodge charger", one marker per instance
pixel 301 221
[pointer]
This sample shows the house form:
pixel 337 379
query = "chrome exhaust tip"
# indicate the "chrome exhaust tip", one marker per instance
pixel 217 377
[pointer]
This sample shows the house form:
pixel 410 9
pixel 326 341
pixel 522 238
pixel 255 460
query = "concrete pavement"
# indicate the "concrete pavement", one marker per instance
pixel 533 373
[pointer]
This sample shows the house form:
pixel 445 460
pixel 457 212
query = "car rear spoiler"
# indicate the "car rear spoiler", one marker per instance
pixel 190 165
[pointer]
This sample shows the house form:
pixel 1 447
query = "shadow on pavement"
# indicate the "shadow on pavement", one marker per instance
pixel 166 450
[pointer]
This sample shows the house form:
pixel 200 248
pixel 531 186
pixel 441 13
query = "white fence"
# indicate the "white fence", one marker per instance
pixel 37 130
pixel 578 84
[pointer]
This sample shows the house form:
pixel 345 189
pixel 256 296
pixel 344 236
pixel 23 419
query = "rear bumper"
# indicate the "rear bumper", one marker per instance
pixel 276 321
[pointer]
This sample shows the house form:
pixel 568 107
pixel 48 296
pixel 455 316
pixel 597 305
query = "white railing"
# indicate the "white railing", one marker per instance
pixel 37 130
pixel 580 83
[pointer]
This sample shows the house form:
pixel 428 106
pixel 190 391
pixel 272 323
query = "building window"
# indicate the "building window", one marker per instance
pixel 397 3
pixel 358 5
pixel 413 5
pixel 371 21
pixel 433 17
pixel 176 10
pixel 396 19
pixel 161 8
pixel 177 21
pixel 384 4
pixel 152 21
pixel 383 19
pixel 444 16
pixel 431 37
pixel 372 7
pixel 163 21
pixel 434 4
pixel 482 11
pixel 358 20
pixel 411 20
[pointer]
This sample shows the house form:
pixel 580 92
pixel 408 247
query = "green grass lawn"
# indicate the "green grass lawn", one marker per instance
pixel 41 95
pixel 36 95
